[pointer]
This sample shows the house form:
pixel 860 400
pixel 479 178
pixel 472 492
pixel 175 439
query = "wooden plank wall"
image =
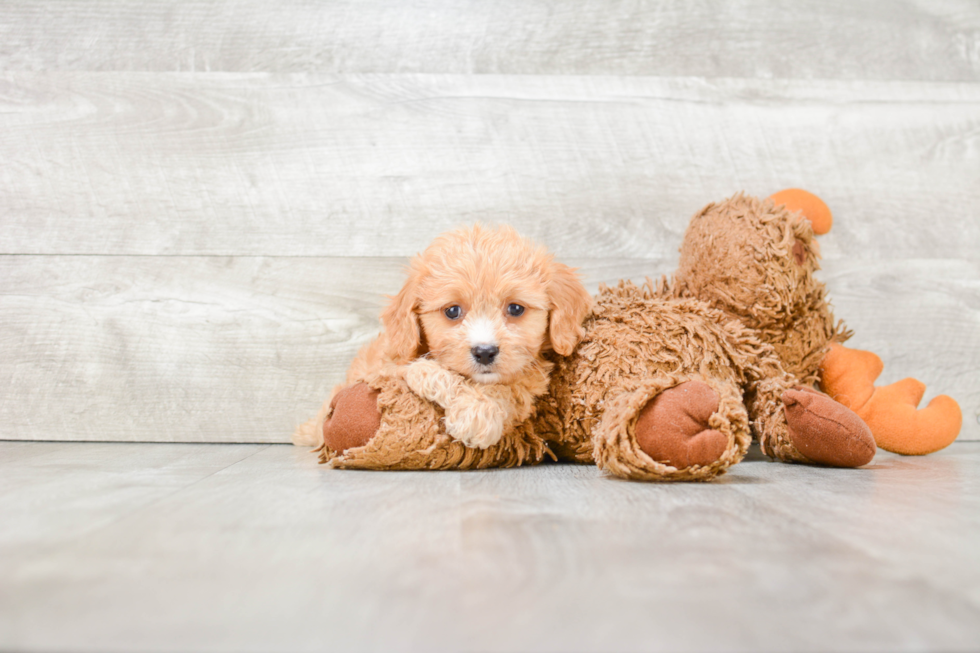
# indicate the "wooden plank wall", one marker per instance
pixel 203 204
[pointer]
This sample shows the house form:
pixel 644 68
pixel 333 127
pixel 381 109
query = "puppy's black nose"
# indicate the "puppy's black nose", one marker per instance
pixel 484 354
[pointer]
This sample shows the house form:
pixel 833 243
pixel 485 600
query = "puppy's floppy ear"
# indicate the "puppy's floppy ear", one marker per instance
pixel 401 322
pixel 570 303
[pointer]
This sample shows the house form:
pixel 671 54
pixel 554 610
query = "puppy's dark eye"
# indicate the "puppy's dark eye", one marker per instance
pixel 515 310
pixel 453 312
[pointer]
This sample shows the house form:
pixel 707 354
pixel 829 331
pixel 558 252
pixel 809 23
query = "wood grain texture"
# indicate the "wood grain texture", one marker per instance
pixel 240 349
pixel 203 203
pixel 230 164
pixel 257 548
pixel 191 349
pixel 811 39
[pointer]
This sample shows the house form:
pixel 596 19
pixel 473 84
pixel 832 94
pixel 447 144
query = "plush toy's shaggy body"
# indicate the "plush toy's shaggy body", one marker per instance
pixel 672 380
pixel 743 316
pixel 598 393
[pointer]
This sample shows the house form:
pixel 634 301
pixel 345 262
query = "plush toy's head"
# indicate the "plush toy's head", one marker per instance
pixel 755 259
pixel 752 259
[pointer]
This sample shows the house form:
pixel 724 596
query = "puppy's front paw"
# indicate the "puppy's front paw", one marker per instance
pixel 431 381
pixel 416 375
pixel 478 424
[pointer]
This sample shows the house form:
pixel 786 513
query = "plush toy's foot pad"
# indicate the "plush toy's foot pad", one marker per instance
pixel 354 419
pixel 673 428
pixel 826 431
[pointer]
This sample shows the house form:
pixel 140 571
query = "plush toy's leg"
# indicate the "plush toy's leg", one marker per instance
pixel 798 424
pixel 848 375
pixel 673 428
pixel 354 418
pixel 385 425
pixel 825 431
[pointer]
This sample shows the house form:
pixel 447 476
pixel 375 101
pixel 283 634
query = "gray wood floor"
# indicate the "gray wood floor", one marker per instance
pixel 162 547
pixel 203 204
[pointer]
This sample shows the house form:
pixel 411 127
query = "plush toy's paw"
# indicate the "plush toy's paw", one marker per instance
pixel 826 431
pixel 673 428
pixel 476 422
pixel 848 375
pixel 354 418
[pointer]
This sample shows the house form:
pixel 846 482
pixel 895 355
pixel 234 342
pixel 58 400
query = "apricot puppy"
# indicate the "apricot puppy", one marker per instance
pixel 468 331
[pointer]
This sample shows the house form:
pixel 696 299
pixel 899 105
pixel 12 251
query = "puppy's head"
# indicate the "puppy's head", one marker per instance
pixel 485 303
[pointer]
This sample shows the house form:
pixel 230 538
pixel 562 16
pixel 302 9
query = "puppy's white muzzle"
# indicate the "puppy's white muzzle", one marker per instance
pixel 484 350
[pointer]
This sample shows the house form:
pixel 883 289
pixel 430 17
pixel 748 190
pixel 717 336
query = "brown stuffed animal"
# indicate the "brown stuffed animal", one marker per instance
pixel 672 380
pixel 801 339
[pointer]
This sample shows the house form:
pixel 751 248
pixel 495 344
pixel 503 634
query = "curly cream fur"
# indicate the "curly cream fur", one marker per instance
pixel 478 415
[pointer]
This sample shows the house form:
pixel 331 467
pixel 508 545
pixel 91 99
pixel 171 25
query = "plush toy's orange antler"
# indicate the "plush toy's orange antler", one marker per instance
pixel 811 206
pixel 848 375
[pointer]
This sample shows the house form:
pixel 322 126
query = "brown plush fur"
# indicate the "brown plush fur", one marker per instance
pixel 743 314
pixel 741 256
pixel 641 341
